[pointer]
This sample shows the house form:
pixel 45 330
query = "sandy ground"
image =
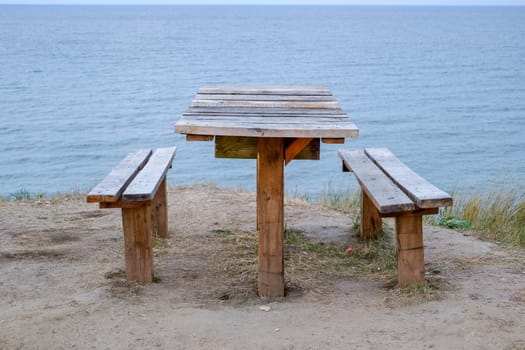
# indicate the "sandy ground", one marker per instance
pixel 62 285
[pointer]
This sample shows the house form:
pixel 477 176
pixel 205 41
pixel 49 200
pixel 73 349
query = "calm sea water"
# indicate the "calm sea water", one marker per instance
pixel 443 87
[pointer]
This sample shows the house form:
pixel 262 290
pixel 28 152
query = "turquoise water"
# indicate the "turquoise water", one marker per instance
pixel 443 87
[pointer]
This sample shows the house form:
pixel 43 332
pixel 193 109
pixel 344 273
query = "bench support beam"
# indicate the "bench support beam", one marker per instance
pixel 371 223
pixel 160 211
pixel 409 247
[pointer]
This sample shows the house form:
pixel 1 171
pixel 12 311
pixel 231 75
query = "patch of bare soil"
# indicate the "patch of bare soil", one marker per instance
pixel 63 286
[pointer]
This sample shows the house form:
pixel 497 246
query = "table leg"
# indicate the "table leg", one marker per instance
pixel 270 216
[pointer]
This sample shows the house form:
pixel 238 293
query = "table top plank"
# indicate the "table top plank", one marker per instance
pixel 265 104
pixel 252 97
pixel 266 90
pixel 291 111
pixel 262 110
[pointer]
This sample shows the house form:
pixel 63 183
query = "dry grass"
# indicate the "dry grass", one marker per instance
pixel 309 266
pixel 497 215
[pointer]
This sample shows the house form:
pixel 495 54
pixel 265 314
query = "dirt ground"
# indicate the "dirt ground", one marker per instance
pixel 62 285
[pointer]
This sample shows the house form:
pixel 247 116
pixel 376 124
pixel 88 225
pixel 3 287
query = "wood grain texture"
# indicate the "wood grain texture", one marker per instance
pixel 270 216
pixel 145 184
pixel 253 97
pixel 240 147
pixel 300 90
pixel 422 192
pixel 159 212
pixel 137 244
pixel 111 187
pixel 371 225
pixel 410 254
pixel 199 138
pixel 266 111
pixel 294 148
pixel 384 194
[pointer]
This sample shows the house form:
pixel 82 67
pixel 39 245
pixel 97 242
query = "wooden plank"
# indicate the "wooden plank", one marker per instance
pixel 123 204
pixel 246 148
pixel 242 97
pixel 263 111
pixel 137 243
pixel 263 104
pixel 278 119
pixel 371 222
pixel 315 130
pixel 111 187
pixel 238 147
pixel 385 195
pixel 199 137
pixel 146 183
pixel 333 141
pixel 410 254
pixel 422 192
pixel 294 148
pixel 270 216
pixel 265 90
pixel 159 212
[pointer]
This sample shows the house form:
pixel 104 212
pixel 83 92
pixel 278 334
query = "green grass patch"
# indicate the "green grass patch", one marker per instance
pixel 344 200
pixel 497 214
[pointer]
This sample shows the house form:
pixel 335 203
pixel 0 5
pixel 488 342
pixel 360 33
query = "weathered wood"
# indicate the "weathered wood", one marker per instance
pixel 222 128
pixel 384 194
pixel 371 223
pixel 202 104
pixel 252 97
pixel 123 204
pixel 294 148
pixel 199 137
pixel 137 242
pixel 374 164
pixel 410 254
pixel 266 111
pixel 266 119
pixel 240 147
pixel 263 111
pixel 416 212
pixel 422 192
pixel 270 216
pixel 334 141
pixel 265 90
pixel 111 187
pixel 145 184
pixel 159 211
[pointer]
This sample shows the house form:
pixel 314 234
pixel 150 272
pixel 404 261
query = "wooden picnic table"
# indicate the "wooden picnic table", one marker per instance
pixel 273 124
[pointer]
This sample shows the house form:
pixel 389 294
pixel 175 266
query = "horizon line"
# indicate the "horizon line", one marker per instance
pixel 263 4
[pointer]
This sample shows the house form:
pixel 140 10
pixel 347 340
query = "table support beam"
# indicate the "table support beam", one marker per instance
pixel 295 148
pixel 270 216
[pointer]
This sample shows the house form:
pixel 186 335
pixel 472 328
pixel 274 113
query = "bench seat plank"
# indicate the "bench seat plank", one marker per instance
pixel 145 184
pixel 423 193
pixel 385 195
pixel 111 187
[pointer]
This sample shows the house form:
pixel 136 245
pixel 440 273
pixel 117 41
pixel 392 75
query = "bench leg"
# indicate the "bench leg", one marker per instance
pixel 159 212
pixel 137 241
pixel 371 223
pixel 410 255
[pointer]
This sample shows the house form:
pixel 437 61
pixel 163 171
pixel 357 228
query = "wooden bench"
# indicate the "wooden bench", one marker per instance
pixel 137 185
pixel 390 189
